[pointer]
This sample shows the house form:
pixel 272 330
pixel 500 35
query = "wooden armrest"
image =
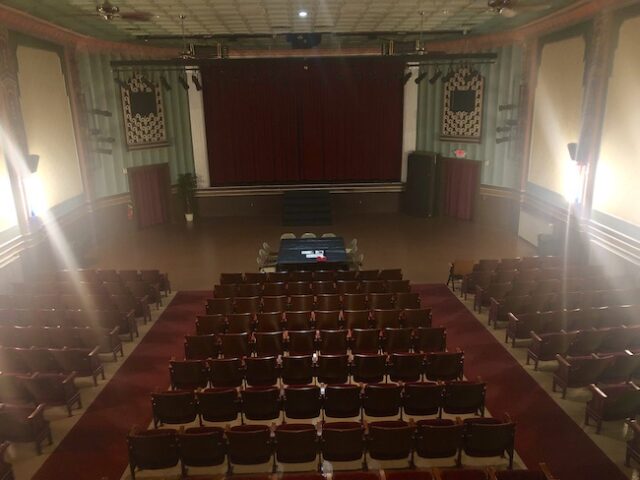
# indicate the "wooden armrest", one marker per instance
pixel 115 330
pixel 94 352
pixel 39 411
pixel 562 361
pixel 69 378
pixel 596 391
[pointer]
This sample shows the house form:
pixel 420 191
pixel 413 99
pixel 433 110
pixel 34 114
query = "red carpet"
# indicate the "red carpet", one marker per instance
pixel 96 448
pixel 544 433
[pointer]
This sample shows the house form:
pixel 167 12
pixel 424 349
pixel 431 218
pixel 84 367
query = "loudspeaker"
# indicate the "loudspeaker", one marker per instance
pixel 421 189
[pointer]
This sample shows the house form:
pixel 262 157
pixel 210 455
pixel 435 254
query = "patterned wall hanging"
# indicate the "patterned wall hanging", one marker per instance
pixel 462 99
pixel 143 112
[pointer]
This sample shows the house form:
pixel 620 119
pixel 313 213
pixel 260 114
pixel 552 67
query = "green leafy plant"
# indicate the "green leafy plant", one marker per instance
pixel 187 185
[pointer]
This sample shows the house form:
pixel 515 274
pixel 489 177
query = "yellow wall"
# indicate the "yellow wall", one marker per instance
pixel 616 190
pixel 7 208
pixel 557 113
pixel 48 123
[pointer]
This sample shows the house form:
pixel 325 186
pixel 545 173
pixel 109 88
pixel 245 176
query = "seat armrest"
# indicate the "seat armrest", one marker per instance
pixel 94 352
pixel 69 378
pixel 597 392
pixel 38 412
pixel 535 336
pixel 562 362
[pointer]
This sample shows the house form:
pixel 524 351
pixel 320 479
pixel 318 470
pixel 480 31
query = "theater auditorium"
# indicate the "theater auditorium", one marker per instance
pixel 319 239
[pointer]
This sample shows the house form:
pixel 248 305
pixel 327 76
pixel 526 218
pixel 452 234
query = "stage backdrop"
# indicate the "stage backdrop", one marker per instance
pixel 304 120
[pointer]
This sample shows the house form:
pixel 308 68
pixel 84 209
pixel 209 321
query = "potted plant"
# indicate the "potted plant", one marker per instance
pixel 187 185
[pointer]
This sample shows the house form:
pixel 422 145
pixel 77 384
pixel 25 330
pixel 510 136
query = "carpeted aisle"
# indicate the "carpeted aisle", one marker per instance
pixel 544 433
pixel 95 447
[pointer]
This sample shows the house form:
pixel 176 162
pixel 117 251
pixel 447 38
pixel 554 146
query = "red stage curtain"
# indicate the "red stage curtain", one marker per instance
pixel 460 187
pixel 148 186
pixel 304 120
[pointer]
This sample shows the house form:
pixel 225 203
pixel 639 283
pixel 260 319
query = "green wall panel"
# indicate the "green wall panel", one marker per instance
pixel 102 93
pixel 501 165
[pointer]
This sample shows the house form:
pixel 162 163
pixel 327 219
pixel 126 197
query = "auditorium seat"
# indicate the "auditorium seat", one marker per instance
pixel 234 345
pixel 342 401
pixel 575 372
pixel 261 403
pixel 444 365
pixel 390 440
pixel 382 399
pixel 302 402
pixel 201 447
pixel 333 369
pixel 297 443
pixel 173 407
pixel 489 437
pixel 188 374
pixel 152 449
pixel 332 342
pixel 464 397
pixel 396 340
pixel 422 398
pixel 369 368
pixel 261 371
pixel 211 324
pixel 356 318
pixel 327 319
pixel 298 320
pixel 239 323
pixel 416 317
pixel 268 344
pixel 297 369
pixel 439 439
pixel 430 339
pixel 405 366
pixel 343 442
pixel 24 423
pixel 218 404
pixel 226 372
pixel 200 347
pixel 301 342
pixel 612 402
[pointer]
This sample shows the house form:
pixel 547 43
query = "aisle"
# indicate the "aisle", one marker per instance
pixel 544 433
pixel 96 446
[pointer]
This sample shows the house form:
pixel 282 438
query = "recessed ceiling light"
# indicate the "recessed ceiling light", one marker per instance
pixel 303 14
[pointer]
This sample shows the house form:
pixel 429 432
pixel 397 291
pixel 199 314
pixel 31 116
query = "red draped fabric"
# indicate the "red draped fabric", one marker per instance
pixel 148 186
pixel 461 181
pixel 304 120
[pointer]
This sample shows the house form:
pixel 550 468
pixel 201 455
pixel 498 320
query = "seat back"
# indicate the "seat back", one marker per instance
pixel 390 440
pixel 218 404
pixel 438 438
pixel 296 443
pixel 226 372
pixel 249 444
pixel 302 401
pixel 342 401
pixel 342 441
pixel 464 397
pixel 261 371
pixel 382 399
pixel 261 403
pixel 297 369
pixel 153 449
pixel 174 407
pixel 202 446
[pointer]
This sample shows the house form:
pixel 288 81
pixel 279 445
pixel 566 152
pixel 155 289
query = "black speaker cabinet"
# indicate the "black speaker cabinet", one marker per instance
pixel 421 190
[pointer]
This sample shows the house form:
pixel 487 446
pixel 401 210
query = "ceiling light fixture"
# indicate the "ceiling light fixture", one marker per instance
pixel 303 14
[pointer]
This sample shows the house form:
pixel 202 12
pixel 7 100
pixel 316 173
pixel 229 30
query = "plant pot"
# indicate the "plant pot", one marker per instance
pixel 188 217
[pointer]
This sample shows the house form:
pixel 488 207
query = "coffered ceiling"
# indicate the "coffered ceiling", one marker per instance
pixel 272 17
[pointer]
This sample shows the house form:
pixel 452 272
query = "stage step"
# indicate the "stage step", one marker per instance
pixel 306 207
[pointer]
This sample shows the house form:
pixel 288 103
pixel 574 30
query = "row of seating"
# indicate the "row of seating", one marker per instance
pixel 309 342
pixel 84 362
pixel 520 325
pixel 124 304
pixel 154 277
pixel 50 389
pixel 107 340
pixel 501 307
pixel 334 442
pixel 109 319
pixel 327 369
pixel 298 402
pixel 546 346
pixel 316 287
pixel 143 291
pixel 309 276
pixel 281 303
pixel 23 423
pixel 585 342
pixel 592 295
pixel 579 372
pixel 312 320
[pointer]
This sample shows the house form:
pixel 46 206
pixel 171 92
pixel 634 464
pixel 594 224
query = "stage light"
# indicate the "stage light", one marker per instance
pixel 196 82
pixel 303 14
pixel 183 81
pixel 406 77
pixel 421 77
pixel 165 83
pixel 436 76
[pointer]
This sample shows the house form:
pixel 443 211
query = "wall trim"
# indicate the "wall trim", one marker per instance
pixel 614 241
